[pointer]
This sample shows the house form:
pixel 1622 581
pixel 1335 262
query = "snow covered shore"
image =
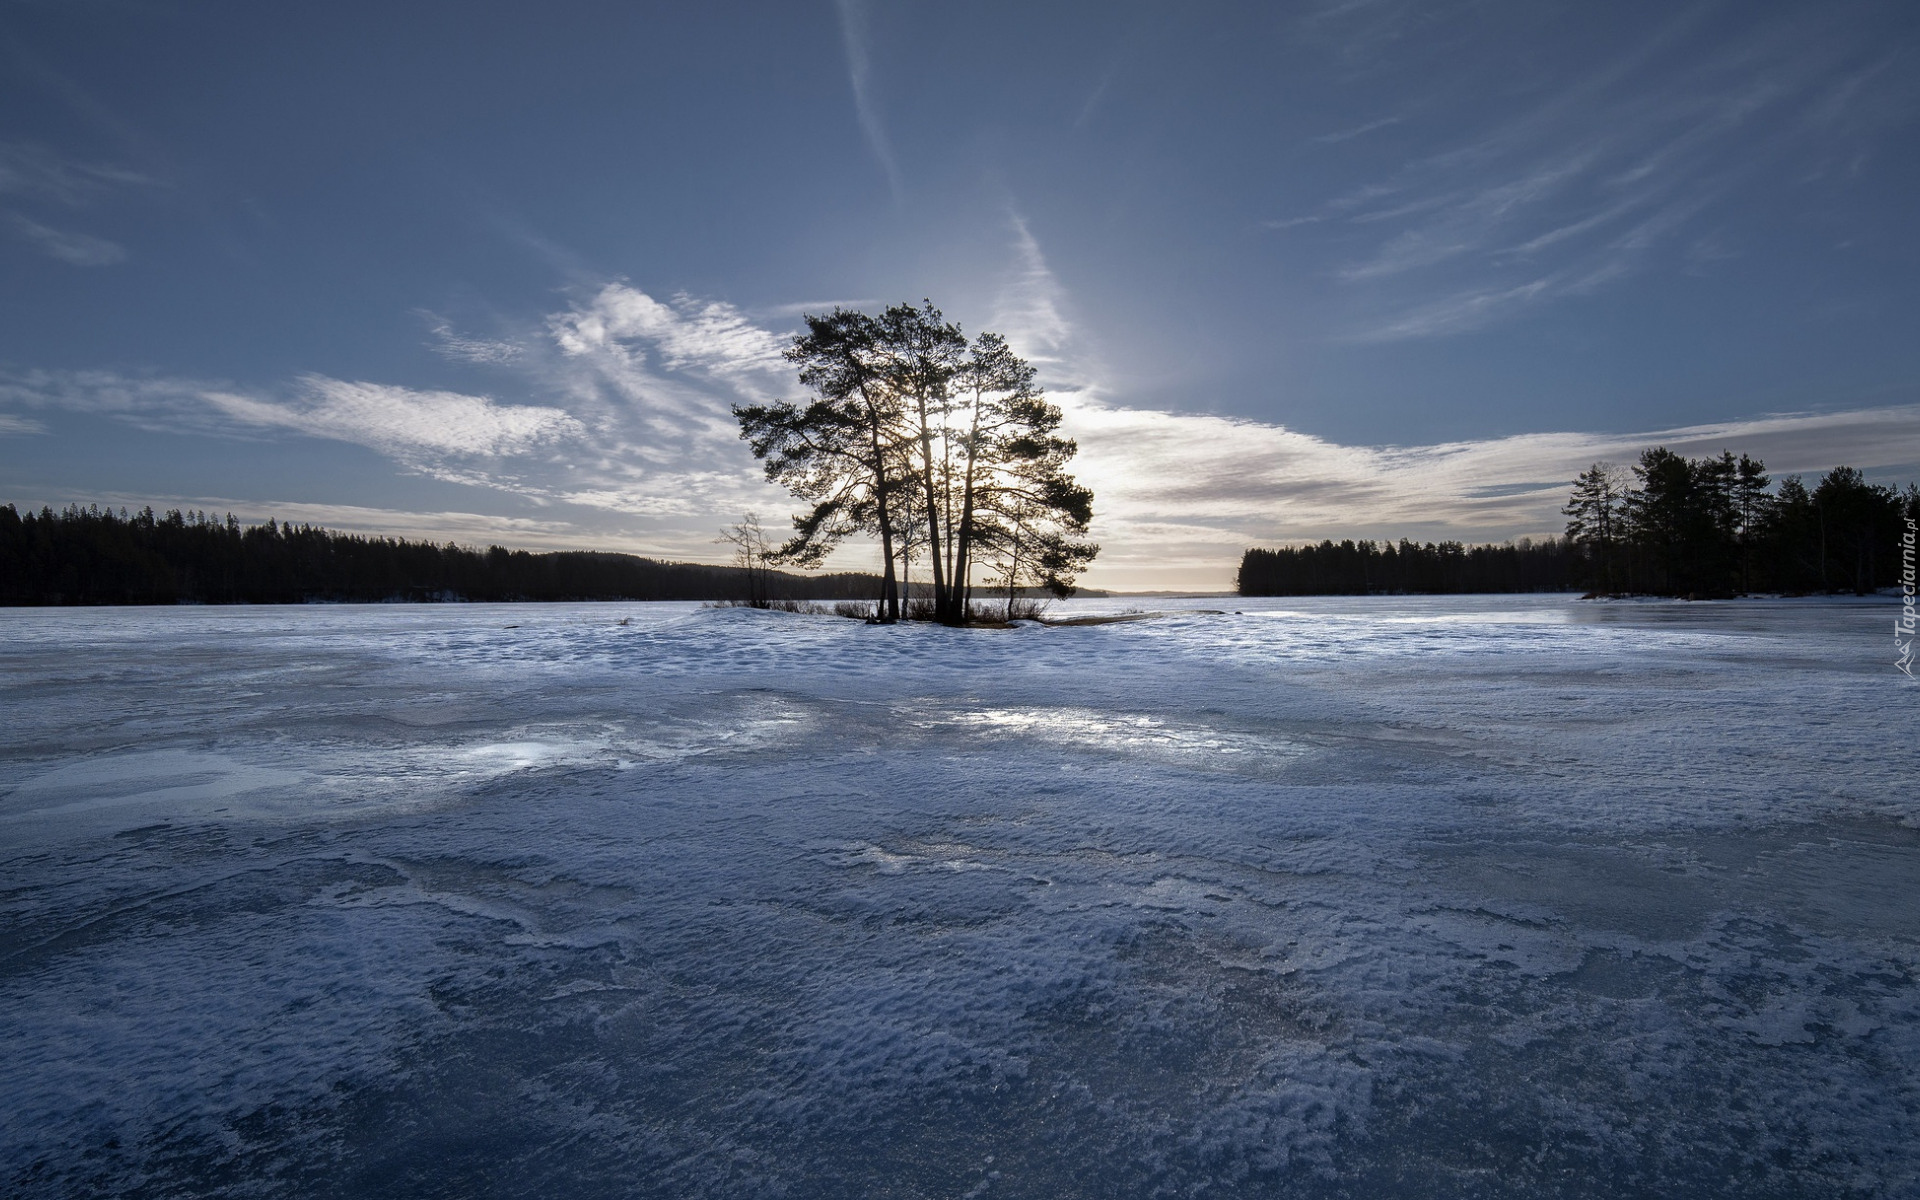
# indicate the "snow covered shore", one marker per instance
pixel 1468 896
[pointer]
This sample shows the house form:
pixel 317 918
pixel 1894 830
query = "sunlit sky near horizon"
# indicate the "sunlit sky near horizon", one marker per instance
pixel 495 273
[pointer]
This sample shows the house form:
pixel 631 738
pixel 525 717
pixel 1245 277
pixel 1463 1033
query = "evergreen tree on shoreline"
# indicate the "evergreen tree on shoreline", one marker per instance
pixel 1716 526
pixel 1595 512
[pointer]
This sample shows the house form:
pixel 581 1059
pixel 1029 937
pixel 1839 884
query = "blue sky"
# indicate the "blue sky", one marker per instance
pixel 495 272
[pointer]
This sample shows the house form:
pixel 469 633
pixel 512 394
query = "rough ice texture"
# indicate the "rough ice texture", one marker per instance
pixel 1427 897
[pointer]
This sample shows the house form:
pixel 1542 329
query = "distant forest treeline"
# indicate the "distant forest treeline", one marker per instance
pixel 1669 526
pixel 95 556
pixel 1364 568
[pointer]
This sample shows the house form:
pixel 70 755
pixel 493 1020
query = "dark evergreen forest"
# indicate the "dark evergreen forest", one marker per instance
pixel 96 556
pixel 1675 526
pixel 1667 526
pixel 1351 568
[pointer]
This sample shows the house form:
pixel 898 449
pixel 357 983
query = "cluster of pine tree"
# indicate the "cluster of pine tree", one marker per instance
pixel 1351 568
pixel 97 556
pixel 1675 526
pixel 1669 526
pixel 942 449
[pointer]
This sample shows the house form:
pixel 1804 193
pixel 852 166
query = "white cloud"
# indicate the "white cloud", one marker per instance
pixel 688 335
pixel 657 380
pixel 430 429
pixel 482 351
pixel 402 422
pixel 11 424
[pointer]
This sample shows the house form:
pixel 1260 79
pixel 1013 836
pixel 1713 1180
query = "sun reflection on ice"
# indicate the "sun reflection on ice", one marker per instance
pixel 1123 732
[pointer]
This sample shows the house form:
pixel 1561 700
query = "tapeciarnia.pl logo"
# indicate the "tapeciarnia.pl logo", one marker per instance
pixel 1903 625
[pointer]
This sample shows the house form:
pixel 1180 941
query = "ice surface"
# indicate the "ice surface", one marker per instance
pixel 1497 896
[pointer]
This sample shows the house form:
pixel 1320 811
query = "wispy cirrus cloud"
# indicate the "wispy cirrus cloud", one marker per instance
pixel 36 172
pixel 155 403
pixel 37 176
pixel 1600 177
pixel 1347 135
pixel 1030 306
pixel 75 249
pixel 856 39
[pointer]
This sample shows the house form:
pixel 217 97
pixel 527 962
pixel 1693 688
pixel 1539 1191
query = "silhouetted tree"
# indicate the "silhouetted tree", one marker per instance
pixel 1857 519
pixel 923 354
pixel 1594 518
pixel 1664 516
pixel 750 554
pixel 840 452
pixel 1753 504
pixel 936 445
pixel 1791 537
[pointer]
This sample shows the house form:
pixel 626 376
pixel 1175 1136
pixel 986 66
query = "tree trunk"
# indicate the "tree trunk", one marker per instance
pixel 934 548
pixel 889 589
pixel 963 549
pixel 1823 550
pixel 1013 574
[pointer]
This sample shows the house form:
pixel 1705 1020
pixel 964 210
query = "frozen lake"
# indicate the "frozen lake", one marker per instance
pixel 1482 896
